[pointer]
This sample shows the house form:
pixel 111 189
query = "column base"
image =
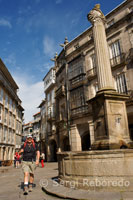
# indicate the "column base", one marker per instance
pixel 107 89
pixel 110 121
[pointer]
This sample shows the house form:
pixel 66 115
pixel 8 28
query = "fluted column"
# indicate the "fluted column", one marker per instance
pixel 104 74
pixel 91 129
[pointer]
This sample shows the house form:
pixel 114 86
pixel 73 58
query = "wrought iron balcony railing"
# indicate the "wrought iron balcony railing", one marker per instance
pixel 60 91
pixel 51 116
pixel 79 110
pixel 117 60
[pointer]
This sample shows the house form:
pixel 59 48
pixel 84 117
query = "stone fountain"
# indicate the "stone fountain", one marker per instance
pixel 107 163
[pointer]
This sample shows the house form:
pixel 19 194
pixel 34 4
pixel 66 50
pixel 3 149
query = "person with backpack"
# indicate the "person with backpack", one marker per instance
pixel 17 157
pixel 31 156
pixel 42 157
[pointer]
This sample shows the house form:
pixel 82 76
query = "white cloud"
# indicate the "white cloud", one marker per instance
pixel 49 46
pixel 4 22
pixel 31 95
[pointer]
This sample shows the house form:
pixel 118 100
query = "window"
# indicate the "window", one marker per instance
pixel 10 119
pixel 96 88
pixel 1 112
pixel 75 68
pixel 0 132
pixel 62 111
pixel 13 107
pixel 10 104
pixel 16 126
pixel 9 135
pixel 5 134
pixel 77 98
pixel 116 56
pixel 5 116
pixel 1 95
pixel 12 137
pixel 120 82
pixel 93 61
pixel 6 100
pixel 115 49
pixel 13 121
pixel 92 65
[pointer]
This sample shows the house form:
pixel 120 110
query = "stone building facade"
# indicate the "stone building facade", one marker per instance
pixel 76 78
pixel 27 129
pixel 73 81
pixel 36 126
pixel 11 115
pixel 51 136
pixel 43 122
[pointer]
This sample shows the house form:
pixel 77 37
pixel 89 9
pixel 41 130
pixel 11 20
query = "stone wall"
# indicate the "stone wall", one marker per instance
pixel 102 170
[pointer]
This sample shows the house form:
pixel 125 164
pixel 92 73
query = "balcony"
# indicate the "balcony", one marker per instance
pixel 77 81
pixel 51 116
pixel 49 79
pixel 60 91
pixel 91 73
pixel 117 60
pixel 62 117
pixel 79 110
pixel 76 72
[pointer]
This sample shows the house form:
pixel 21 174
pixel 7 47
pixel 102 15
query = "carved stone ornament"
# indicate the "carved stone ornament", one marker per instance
pixel 96 15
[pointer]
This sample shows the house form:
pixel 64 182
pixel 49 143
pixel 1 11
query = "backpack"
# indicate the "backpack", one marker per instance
pixel 33 143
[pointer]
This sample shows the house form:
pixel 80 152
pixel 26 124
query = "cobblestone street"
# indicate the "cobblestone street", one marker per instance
pixel 11 187
pixel 11 182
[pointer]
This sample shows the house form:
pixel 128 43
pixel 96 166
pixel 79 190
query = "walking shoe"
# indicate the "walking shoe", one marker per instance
pixel 25 189
pixel 30 187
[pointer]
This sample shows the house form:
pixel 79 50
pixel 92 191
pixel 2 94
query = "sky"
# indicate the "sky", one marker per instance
pixel 31 32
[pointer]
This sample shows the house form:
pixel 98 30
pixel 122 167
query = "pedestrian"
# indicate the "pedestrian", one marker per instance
pixel 17 159
pixel 31 156
pixel 42 159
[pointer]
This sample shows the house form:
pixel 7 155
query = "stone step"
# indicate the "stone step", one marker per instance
pixel 57 190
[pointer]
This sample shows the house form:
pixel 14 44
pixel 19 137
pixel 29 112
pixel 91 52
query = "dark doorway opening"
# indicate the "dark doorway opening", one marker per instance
pixel 53 150
pixel 66 146
pixel 86 142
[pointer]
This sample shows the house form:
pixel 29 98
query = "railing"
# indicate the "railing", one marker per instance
pixel 76 72
pixel 51 116
pixel 79 110
pixel 91 72
pixel 60 91
pixel 117 60
pixel 77 80
pixel 49 83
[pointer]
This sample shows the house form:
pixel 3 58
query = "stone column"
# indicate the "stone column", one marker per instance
pixel 2 153
pixel 104 74
pixel 108 106
pixel 91 129
pixel 48 152
pixel 75 138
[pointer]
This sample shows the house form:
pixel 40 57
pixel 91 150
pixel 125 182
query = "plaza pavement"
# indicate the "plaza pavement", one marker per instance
pixel 11 183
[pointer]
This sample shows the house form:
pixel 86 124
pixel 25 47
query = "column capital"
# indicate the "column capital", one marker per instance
pixel 96 15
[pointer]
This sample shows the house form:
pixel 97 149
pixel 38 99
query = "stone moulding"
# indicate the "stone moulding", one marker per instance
pixel 97 170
